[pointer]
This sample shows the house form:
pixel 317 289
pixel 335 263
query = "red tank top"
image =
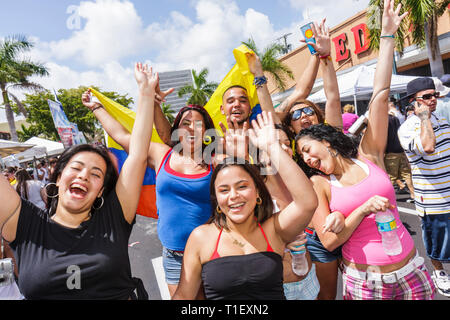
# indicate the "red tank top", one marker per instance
pixel 216 255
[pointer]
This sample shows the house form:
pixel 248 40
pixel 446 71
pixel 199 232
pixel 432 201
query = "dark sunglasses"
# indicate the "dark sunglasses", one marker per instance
pixel 428 96
pixel 298 113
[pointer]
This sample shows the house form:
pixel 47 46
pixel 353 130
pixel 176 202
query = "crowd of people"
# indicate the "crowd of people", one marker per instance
pixel 228 223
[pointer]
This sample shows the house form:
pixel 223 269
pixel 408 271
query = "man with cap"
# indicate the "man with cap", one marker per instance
pixel 426 140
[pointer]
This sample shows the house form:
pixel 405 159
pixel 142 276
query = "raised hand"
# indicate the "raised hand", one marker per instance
pixel 254 64
pixel 86 100
pixel 391 19
pixel 235 139
pixel 146 80
pixel 322 37
pixel 264 135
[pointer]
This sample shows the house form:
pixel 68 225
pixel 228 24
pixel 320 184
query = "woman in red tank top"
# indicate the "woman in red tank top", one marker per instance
pixel 243 231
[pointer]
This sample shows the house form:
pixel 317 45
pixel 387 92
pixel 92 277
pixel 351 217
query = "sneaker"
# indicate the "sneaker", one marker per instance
pixel 442 282
pixel 410 200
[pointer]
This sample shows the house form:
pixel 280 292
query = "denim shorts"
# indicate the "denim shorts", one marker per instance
pixel 306 289
pixel 172 266
pixel 318 252
pixel 435 234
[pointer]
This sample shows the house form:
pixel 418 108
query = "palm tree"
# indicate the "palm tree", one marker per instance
pixel 270 64
pixel 168 112
pixel 200 90
pixel 14 74
pixel 421 25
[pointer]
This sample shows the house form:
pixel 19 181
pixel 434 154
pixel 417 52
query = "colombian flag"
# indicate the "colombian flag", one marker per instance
pixel 147 201
pixel 239 75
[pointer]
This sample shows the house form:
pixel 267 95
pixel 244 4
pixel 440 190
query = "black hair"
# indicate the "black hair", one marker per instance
pixel 344 145
pixel 231 87
pixel 110 178
pixel 262 211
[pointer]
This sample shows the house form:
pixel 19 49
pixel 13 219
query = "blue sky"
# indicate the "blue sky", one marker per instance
pixel 169 35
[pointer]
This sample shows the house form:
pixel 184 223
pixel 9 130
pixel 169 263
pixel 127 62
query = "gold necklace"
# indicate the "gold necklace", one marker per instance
pixel 235 241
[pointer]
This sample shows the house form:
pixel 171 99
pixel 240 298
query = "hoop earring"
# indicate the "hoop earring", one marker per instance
pixel 218 209
pixel 258 200
pixel 103 201
pixel 46 193
pixel 207 140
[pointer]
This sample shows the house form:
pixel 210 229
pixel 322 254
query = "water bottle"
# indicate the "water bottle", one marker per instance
pixel 387 227
pixel 360 124
pixel 299 261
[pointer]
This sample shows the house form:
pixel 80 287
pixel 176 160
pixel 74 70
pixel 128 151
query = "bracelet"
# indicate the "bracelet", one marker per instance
pixel 260 81
pixel 97 107
pixel 324 57
pixel 388 36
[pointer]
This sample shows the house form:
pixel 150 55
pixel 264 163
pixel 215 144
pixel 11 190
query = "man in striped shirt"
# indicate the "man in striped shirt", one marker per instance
pixel 426 141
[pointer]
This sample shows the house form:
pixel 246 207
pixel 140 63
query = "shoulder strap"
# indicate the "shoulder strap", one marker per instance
pixel 215 254
pixel 269 248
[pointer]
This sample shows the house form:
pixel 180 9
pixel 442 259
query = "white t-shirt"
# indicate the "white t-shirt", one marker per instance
pixel 34 193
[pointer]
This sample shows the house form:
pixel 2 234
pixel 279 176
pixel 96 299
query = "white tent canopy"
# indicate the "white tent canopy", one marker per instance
pixel 358 85
pixel 42 148
pixel 8 147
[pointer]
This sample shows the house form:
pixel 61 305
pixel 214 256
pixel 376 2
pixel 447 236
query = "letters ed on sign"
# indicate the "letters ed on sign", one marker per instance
pixel 361 40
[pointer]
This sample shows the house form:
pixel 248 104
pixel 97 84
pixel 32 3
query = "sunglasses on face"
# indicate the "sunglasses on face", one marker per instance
pixel 428 96
pixel 298 113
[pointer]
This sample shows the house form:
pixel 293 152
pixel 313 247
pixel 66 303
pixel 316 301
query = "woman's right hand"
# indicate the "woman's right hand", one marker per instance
pixel 146 80
pixel 375 204
pixel 86 100
pixel 391 20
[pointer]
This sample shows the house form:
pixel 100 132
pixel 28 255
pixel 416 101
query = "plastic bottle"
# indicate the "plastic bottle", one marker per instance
pixel 387 227
pixel 299 261
pixel 360 124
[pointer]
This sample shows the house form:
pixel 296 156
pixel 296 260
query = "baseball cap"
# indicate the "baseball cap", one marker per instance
pixel 418 85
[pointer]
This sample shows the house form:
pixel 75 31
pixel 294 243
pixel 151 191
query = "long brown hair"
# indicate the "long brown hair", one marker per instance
pixel 262 212
pixel 22 176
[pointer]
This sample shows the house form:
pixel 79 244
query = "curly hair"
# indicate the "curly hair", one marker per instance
pixel 343 144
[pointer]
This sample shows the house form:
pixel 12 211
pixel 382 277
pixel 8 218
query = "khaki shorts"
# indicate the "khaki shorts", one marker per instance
pixel 397 166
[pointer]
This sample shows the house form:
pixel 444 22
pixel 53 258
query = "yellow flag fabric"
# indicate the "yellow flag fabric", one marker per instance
pixel 239 75
pixel 124 115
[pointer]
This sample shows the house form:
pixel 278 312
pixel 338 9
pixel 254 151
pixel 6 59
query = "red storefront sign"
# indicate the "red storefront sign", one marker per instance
pixel 361 41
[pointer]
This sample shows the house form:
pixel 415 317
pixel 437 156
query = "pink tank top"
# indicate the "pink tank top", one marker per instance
pixel 364 245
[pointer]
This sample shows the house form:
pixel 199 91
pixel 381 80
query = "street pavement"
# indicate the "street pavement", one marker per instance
pixel 146 263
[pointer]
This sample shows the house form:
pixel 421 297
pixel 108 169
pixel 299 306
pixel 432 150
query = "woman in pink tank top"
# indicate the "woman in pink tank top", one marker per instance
pixel 357 186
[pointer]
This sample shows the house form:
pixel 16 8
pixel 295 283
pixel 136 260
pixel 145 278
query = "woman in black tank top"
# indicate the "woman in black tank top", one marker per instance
pixel 238 254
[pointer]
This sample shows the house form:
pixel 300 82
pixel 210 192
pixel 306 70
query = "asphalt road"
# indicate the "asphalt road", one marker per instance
pixel 145 251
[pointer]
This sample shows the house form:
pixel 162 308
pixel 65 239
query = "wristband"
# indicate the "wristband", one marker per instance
pixel 260 81
pixel 388 36
pixel 324 57
pixel 97 107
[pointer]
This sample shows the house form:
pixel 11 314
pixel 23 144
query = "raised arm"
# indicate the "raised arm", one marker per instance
pixel 128 187
pixel 162 124
pixel 293 219
pixel 262 91
pixel 333 114
pixel 373 143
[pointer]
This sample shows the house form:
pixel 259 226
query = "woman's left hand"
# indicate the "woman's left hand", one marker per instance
pixel 263 134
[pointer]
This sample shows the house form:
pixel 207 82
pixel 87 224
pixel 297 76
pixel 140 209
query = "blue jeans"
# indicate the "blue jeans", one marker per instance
pixel 435 234
pixel 318 252
pixel 172 266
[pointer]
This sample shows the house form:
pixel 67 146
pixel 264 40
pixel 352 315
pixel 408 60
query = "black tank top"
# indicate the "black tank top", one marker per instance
pixel 255 276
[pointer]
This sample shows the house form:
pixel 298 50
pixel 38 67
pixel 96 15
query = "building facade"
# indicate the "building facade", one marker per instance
pixel 176 80
pixel 350 49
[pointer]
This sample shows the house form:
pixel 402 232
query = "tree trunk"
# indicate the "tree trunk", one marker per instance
pixel 434 53
pixel 9 116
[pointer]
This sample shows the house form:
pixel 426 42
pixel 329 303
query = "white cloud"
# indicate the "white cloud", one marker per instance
pixel 113 34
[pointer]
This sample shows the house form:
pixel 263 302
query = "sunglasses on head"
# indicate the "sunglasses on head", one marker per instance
pixel 428 96
pixel 298 113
